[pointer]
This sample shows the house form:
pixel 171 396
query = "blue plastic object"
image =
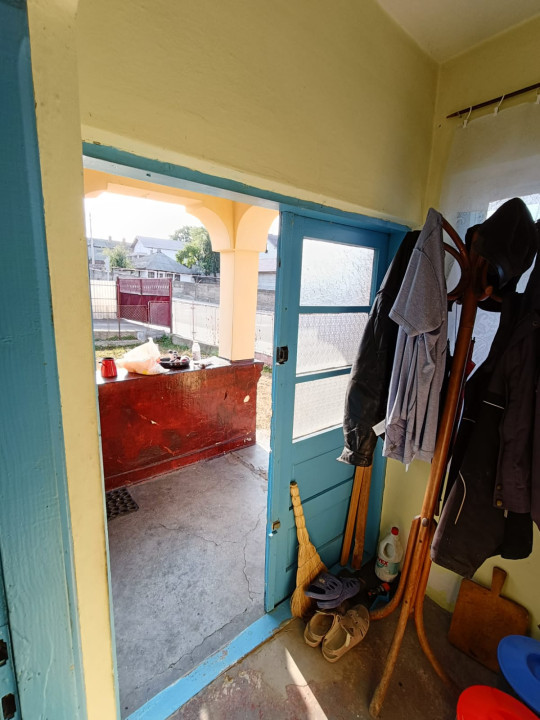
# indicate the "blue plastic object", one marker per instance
pixel 519 659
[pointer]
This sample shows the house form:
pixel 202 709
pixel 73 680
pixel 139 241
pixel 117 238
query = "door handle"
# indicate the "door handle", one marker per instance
pixel 282 354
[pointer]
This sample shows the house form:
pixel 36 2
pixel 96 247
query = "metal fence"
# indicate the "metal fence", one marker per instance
pixel 200 321
pixel 191 320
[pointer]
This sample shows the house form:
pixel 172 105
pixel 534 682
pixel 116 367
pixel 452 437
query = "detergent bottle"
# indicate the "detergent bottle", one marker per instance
pixel 389 556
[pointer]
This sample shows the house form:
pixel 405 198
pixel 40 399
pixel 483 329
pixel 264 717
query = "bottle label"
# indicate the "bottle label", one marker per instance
pixel 386 568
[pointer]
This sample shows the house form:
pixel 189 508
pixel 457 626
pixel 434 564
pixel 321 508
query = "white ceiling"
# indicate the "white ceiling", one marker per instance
pixel 445 28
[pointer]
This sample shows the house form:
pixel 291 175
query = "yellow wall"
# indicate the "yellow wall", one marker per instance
pixel 327 101
pixel 506 63
pixel 59 137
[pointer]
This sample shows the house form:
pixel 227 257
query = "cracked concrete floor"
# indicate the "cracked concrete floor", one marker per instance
pixel 187 569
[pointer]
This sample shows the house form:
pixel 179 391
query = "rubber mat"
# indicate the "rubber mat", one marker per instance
pixel 119 502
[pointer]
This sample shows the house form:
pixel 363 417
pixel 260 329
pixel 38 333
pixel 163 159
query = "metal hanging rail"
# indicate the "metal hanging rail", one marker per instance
pixel 494 101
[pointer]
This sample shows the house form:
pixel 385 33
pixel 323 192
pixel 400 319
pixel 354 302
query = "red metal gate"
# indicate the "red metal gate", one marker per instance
pixel 145 301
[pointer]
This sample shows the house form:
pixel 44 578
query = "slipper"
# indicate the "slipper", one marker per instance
pixel 318 626
pixel 347 632
pixel 349 588
pixel 324 587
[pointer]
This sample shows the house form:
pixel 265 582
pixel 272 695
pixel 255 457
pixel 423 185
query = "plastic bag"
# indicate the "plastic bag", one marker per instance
pixel 143 359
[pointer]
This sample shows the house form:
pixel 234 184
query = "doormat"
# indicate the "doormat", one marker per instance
pixel 119 502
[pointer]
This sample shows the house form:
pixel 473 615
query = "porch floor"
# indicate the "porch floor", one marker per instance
pixel 187 569
pixel 188 576
pixel 286 679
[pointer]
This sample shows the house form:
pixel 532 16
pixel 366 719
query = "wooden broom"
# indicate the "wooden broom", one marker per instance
pixel 309 563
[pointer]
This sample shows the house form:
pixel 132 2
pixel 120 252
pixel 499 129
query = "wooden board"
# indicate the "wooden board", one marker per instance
pixel 482 618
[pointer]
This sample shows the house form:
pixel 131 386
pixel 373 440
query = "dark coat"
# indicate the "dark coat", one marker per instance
pixel 367 391
pixel 495 470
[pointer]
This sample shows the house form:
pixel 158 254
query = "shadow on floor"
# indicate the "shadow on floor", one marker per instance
pixel 187 569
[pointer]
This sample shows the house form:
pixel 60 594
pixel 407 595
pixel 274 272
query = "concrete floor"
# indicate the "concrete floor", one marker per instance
pixel 285 679
pixel 188 576
pixel 187 569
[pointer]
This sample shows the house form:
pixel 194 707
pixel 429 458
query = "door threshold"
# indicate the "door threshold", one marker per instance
pixel 165 703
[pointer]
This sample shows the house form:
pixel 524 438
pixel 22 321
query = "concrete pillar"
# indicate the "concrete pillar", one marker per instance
pixel 239 271
pixel 238 303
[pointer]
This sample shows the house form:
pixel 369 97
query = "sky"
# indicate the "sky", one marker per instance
pixel 122 216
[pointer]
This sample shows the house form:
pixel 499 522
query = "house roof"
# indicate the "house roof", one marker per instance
pixel 158 243
pixel 272 239
pixel 100 245
pixel 160 262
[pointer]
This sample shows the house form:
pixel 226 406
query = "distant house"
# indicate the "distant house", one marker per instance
pixel 142 246
pixel 268 265
pixel 96 246
pixel 159 265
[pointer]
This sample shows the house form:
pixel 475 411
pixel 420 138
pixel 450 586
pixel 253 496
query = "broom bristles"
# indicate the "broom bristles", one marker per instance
pixel 309 563
pixel 301 604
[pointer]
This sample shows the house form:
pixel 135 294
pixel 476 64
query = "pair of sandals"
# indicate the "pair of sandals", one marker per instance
pixel 331 591
pixel 337 633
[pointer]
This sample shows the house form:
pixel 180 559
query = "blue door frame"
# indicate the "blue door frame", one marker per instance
pixel 39 610
pixel 124 164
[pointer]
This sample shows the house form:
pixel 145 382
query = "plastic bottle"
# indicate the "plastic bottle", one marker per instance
pixel 389 556
pixel 196 352
pixel 382 589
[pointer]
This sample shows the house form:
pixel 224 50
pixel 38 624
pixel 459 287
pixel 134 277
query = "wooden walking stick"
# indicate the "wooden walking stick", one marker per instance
pixel 351 517
pixel 309 563
pixel 361 519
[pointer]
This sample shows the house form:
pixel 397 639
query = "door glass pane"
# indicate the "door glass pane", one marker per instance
pixel 334 274
pixel 328 341
pixel 319 405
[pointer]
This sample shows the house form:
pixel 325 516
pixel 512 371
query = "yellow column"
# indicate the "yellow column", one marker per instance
pixel 238 303
pixel 239 273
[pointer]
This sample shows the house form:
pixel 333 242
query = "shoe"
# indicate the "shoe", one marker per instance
pixel 347 632
pixel 318 626
pixel 324 587
pixel 349 588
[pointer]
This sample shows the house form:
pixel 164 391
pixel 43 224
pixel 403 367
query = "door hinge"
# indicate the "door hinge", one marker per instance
pixel 8 685
pixel 282 354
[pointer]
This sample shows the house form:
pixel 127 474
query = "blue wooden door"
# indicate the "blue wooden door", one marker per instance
pixel 328 275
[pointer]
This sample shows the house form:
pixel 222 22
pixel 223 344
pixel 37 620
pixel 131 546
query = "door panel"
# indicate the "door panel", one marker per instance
pixel 328 275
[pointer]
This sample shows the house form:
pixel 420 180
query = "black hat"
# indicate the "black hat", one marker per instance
pixel 508 240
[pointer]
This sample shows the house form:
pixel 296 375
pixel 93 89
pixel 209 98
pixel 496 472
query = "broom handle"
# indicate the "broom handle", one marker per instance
pixel 351 517
pixel 361 519
pixel 299 518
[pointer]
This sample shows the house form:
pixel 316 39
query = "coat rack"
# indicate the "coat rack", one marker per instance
pixel 417 562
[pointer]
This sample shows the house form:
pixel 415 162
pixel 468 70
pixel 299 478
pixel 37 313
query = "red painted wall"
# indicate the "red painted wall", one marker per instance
pixel 151 424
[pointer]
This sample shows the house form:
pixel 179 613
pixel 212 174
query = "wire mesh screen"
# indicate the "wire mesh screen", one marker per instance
pixel 200 321
pixel 159 313
pixel 136 313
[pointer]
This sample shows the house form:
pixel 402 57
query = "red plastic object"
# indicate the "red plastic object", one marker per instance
pixel 108 368
pixel 481 702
